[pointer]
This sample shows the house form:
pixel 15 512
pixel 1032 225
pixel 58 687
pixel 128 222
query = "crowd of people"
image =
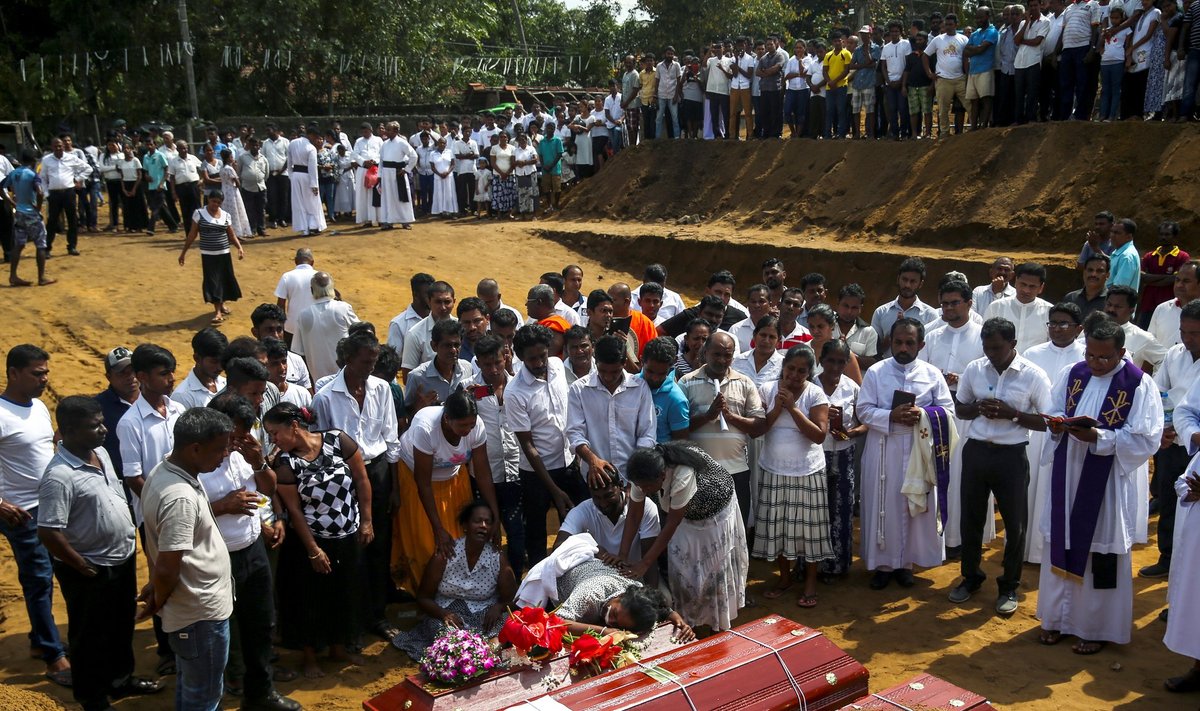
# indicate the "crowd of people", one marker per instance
pixel 304 477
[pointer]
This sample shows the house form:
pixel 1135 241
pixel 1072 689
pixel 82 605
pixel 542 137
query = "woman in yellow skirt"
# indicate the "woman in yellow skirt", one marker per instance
pixel 434 484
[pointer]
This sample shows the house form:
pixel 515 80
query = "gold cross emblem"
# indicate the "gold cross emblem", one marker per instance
pixel 941 451
pixel 1073 393
pixel 1113 415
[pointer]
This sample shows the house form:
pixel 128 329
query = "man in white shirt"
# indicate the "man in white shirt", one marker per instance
pixel 1000 274
pixel 360 405
pixel 744 66
pixel 1001 396
pixel 614 116
pixel 949 80
pixel 293 293
pixel 720 75
pixel 672 302
pixel 418 348
pixel 610 413
pixel 488 289
pixel 417 309
pixel 26 448
pixel 307 215
pixel 183 172
pixel 603 516
pixel 536 404
pixel 1031 34
pixel 253 170
pixel 397 161
pixel 759 306
pixel 894 56
pixel 504 451
pixel 1142 349
pixel 63 173
pixel 1080 32
pixel 321 326
pixel 1164 322
pixel 669 76
pixel 909 278
pixel 1054 357
pixel 1026 310
pixel 203 381
pixel 275 148
pixel 466 153
pixel 365 156
pixel 266 323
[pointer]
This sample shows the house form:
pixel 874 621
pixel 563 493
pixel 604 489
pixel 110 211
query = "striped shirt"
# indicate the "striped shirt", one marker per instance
pixel 214 237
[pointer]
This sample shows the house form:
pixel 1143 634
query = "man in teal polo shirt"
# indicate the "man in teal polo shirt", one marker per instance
pixel 1126 264
pixel 670 404
pixel 550 150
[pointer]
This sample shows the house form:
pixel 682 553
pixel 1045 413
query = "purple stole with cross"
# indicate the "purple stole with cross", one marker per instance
pixel 1070 557
pixel 939 426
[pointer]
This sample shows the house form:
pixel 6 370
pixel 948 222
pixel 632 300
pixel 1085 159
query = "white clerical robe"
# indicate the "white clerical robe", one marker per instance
pixel 1183 628
pixel 1142 347
pixel 392 210
pixel 1053 361
pixel 307 213
pixel 891 537
pixel 365 149
pixel 1030 320
pixel 1076 607
pixel 950 349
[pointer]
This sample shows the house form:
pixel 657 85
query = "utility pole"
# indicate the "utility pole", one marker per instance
pixel 186 36
pixel 520 25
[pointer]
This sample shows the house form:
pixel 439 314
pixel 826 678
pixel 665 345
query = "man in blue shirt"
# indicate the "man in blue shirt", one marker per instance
pixel 550 151
pixel 670 404
pixel 23 188
pixel 154 162
pixel 1126 264
pixel 981 57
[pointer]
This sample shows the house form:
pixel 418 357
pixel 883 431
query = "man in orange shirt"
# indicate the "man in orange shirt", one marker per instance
pixel 641 326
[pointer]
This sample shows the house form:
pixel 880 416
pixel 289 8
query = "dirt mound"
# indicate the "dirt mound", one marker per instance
pixel 14 699
pixel 1029 187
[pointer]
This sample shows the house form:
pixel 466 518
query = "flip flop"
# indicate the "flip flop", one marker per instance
pixel 61 677
pixel 1087 647
pixel 1184 684
pixel 1049 637
pixel 226 310
pixel 807 601
pixel 775 593
pixel 217 319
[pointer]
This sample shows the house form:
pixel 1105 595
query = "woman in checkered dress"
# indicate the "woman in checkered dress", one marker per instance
pixel 322 480
pixel 792 519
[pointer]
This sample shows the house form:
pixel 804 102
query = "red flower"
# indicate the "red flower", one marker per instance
pixel 589 649
pixel 531 628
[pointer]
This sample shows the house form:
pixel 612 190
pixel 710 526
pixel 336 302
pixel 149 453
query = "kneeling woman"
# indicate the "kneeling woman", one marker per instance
pixel 703 531
pixel 471 589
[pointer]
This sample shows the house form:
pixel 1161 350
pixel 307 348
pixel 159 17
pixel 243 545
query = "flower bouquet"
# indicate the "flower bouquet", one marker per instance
pixel 592 653
pixel 534 634
pixel 456 657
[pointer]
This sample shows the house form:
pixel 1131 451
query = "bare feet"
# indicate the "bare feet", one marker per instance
pixel 45 281
pixel 14 281
pixel 312 670
pixel 338 653
pixel 778 590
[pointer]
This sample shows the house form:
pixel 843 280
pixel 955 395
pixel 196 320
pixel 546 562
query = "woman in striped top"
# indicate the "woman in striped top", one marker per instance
pixel 214 227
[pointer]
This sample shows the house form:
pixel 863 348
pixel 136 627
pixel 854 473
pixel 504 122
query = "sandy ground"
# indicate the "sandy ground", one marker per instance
pixel 126 290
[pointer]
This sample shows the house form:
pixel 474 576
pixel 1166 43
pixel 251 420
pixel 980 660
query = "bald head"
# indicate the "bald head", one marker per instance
pixel 621 296
pixel 304 255
pixel 488 288
pixel 322 285
pixel 718 354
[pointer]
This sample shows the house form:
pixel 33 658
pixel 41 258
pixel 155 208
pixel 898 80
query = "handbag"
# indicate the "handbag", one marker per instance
pixel 524 181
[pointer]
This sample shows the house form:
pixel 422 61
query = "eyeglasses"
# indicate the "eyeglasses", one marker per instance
pixel 952 304
pixel 1061 324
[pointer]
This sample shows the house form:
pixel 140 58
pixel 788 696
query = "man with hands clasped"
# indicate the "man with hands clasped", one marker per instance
pixel 1001 396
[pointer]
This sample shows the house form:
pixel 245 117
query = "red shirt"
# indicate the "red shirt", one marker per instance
pixel 1160 261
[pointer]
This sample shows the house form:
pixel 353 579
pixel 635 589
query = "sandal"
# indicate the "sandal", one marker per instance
pixel 61 677
pixel 1184 684
pixel 1050 637
pixel 218 319
pixel 1087 647
pixel 226 310
pixel 807 601
pixel 776 592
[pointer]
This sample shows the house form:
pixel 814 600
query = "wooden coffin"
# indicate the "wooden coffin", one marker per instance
pixel 745 670
pixel 925 692
pixel 499 689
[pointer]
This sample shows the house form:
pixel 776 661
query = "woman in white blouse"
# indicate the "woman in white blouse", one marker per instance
pixel 133 190
pixel 445 198
pixel 844 430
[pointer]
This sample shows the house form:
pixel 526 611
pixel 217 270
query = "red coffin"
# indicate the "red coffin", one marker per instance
pixel 925 692
pixel 728 671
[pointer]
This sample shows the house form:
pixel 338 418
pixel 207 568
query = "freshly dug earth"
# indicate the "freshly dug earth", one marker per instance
pixel 126 290
pixel 1024 188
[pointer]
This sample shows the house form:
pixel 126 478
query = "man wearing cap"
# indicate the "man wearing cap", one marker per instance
pixel 307 215
pixel 116 400
pixel 862 86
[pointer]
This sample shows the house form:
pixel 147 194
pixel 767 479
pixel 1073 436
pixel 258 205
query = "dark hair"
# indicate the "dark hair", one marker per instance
pixel 696 323
pixel 488 345
pixel 531 335
pixel 74 409
pixel 609 350
pixel 244 370
pixel 439 287
pixel 465 513
pixel 950 16
pixel 576 333
pixel 504 319
pixel 420 280
pixel 912 264
pixel 387 365
pixel 276 348
pixel 651 287
pixel 471 303
pixel 852 290
pixel 661 350
pixel 811 279
pixel 647 607
pixel 835 344
pixel 711 301
pixel 1128 225
pixel 236 407
pixel 803 351
pixel 1170 226
pixel 1099 257
pixel 1068 308
pixel 755 288
pixel 25 355
pixel 768 321
pixel 1032 269
pixel 824 311
pixel 1128 292
pixel 145 358
pixel 445 329
pixel 655 273
pixel 1105 214
pixel 241 347
pixel 459 404
pixel 596 297
pixel 555 281
pixel 209 343
pixel 999 327
pixel 285 413
pixel 199 425
pixel 957 287
pixel 1191 310
pixel 649 463
pixel 772 262
pixel 267 312
pixel 722 277
pixel 567 269
pixel 1100 326
pixel 908 323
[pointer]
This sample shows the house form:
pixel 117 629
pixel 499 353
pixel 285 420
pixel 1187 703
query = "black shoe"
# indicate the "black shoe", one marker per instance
pixel 1162 616
pixel 136 686
pixel 73 252
pixel 880 580
pixel 1158 570
pixel 953 552
pixel 275 701
pixel 262 233
pixel 1154 507
pixel 904 577
pixel 962 592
